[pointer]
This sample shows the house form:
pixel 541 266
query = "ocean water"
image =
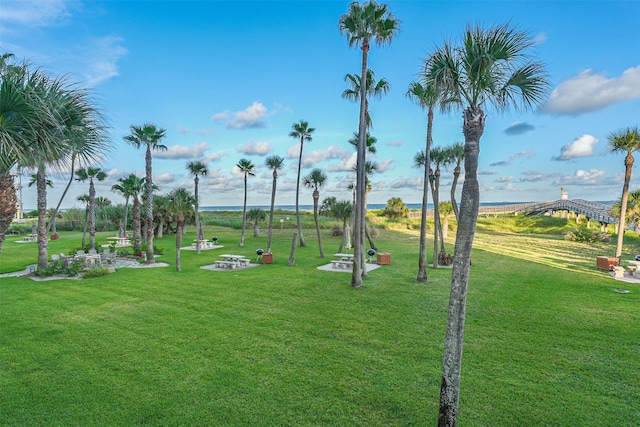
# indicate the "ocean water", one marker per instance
pixel 370 206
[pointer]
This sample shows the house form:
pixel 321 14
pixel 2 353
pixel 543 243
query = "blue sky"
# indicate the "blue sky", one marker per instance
pixel 227 79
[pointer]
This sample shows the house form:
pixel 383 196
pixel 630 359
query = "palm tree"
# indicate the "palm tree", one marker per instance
pixel 196 169
pixel 626 140
pixel 246 167
pixel 369 168
pixel 362 24
pixel 315 180
pixel 91 174
pixel 181 203
pixel 256 215
pixel 147 135
pixel 274 163
pixel 375 89
pixel 84 198
pixel 302 131
pixel 439 157
pixel 342 211
pixel 488 67
pixel 427 97
pixel 163 214
pixel 125 188
pixel 456 155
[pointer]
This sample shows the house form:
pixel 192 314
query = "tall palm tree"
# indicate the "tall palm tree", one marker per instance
pixel 374 89
pixel 361 25
pixel 246 167
pixel 91 174
pixel 125 188
pixel 84 198
pixel 625 140
pixel 181 203
pixel 274 163
pixel 439 157
pixel 315 180
pixel 148 135
pixel 456 155
pixel 427 97
pixel 197 169
pixel 302 131
pixel 488 67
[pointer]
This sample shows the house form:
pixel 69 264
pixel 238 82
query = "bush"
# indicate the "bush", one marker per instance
pixel 57 268
pixel 586 236
pixel 396 208
pixel 96 272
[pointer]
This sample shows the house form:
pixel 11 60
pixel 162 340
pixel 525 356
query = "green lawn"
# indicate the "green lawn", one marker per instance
pixel 548 341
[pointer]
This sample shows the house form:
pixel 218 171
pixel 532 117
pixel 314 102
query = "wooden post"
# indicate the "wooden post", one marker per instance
pixel 292 257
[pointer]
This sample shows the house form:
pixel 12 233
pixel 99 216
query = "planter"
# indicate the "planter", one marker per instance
pixel 267 258
pixel 384 258
pixel 55 236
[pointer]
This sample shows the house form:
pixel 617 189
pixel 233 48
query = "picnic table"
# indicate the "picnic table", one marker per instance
pixel 203 244
pixel 121 241
pixel 232 261
pixel 342 261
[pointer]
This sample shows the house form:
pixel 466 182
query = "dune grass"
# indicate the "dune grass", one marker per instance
pixel 548 341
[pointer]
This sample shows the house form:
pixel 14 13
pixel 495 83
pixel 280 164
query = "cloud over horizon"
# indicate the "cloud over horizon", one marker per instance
pixel 255 148
pixel 590 91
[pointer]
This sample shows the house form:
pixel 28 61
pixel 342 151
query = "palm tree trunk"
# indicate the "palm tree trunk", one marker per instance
pixel 126 214
pixel 149 191
pixel 8 204
pixel 302 242
pixel 198 230
pixel 436 222
pixel 179 233
pixel 244 211
pixel 422 257
pixel 86 224
pixel 359 270
pixel 470 200
pixel 273 200
pixel 628 163
pixel 454 204
pixel 64 193
pixel 41 184
pixel 316 197
pixel 137 235
pixel 92 215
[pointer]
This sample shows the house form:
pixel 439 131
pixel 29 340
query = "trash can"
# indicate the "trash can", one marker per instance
pixel 384 258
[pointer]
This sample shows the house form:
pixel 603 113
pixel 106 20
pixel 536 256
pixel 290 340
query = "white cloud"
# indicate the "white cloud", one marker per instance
pixel 183 152
pixel 34 13
pixel 251 117
pixel 384 166
pixel 394 143
pixel 259 148
pixel 589 91
pixel 311 158
pixel 213 157
pixel 583 177
pixel 103 56
pixel 505 179
pixel 163 178
pixel 410 183
pixel 345 165
pixel 583 146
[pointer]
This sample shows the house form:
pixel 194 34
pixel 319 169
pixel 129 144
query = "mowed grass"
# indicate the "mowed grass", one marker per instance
pixel 547 340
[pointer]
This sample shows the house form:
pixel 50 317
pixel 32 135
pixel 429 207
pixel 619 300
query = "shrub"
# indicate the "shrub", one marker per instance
pixel 96 272
pixel 586 236
pixel 57 268
pixel 396 208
